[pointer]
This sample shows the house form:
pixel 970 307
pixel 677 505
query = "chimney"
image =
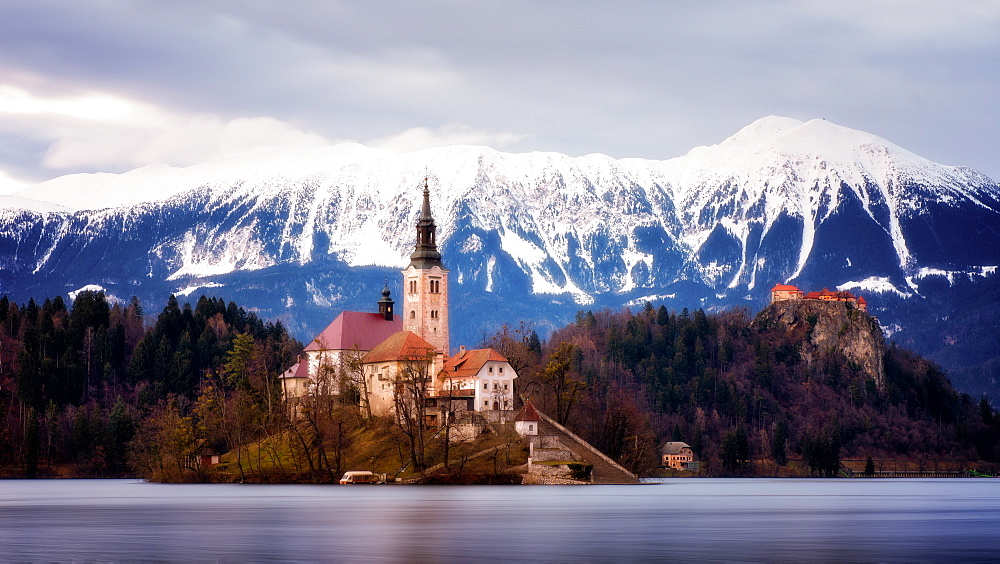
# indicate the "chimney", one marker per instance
pixel 461 351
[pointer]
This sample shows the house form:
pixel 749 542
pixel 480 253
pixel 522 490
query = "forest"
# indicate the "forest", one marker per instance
pixel 743 396
pixel 79 384
pixel 98 389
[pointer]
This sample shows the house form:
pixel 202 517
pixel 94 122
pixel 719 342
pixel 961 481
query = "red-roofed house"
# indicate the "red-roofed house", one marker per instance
pixel 782 292
pixel 404 359
pixel 482 374
pixel 347 338
pixel 295 381
pixel 527 420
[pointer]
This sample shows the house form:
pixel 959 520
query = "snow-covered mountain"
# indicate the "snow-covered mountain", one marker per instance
pixel 303 234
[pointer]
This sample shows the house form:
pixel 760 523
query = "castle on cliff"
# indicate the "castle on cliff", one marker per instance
pixel 783 292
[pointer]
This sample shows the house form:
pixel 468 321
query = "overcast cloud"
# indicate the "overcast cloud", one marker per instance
pixel 111 85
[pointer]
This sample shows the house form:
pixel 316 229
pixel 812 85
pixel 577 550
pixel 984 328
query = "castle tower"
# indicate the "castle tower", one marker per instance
pixel 425 285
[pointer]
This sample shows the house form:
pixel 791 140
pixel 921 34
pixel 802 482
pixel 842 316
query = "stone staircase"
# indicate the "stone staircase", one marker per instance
pixel 605 471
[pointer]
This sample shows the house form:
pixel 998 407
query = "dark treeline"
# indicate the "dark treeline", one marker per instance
pixel 93 389
pixel 741 395
pixel 78 382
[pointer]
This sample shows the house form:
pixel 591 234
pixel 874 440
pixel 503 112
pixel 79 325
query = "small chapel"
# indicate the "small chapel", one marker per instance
pixel 392 358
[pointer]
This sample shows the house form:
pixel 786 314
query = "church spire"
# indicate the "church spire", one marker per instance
pixel 426 255
pixel 425 284
pixel 426 212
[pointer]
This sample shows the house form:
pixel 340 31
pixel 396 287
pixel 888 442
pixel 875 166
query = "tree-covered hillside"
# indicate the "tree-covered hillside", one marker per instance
pixel 747 394
pixel 76 382
pixel 92 389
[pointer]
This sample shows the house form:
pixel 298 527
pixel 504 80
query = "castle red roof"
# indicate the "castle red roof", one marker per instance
pixel 355 329
pixel 785 288
pixel 403 345
pixel 528 413
pixel 466 364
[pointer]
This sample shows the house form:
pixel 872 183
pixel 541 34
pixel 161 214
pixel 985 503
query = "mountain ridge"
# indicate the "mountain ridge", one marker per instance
pixel 714 227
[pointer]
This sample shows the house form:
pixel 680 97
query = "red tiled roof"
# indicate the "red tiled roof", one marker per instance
pixel 527 413
pixel 862 300
pixel 469 363
pixel 784 288
pixel 402 345
pixel 298 370
pixel 355 328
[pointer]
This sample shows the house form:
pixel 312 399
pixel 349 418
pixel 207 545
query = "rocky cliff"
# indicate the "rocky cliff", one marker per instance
pixel 831 326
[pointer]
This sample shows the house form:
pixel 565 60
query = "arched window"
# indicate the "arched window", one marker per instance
pixel 413 314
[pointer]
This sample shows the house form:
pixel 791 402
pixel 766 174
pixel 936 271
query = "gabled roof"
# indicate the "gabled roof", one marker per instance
pixel 528 413
pixel 841 295
pixel 466 364
pixel 298 370
pixel 784 288
pixel 402 345
pixel 355 329
pixel 673 447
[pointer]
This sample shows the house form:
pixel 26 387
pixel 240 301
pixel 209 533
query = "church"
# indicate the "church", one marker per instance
pixel 392 360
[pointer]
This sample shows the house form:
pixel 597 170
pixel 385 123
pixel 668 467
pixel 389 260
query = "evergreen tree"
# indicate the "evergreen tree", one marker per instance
pixel 736 451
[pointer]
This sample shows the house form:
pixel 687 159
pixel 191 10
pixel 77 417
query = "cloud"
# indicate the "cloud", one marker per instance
pixel 450 134
pixel 9 185
pixel 178 141
pixel 115 85
pixel 99 131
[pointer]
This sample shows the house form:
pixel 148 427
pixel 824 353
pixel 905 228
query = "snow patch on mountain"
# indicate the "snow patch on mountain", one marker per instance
pixel 110 298
pixel 632 259
pixel 926 272
pixel 187 291
pixel 875 285
pixel 238 249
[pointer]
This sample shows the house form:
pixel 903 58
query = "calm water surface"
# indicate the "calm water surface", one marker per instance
pixel 743 519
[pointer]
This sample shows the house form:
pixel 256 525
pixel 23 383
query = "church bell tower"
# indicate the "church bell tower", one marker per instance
pixel 425 285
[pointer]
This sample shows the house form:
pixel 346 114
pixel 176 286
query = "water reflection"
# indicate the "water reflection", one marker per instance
pixel 676 520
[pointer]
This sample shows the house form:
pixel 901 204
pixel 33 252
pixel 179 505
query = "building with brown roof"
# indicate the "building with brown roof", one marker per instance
pixel 483 375
pixel 402 363
pixel 677 455
pixel 527 420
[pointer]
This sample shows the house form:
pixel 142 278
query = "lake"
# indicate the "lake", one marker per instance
pixel 692 519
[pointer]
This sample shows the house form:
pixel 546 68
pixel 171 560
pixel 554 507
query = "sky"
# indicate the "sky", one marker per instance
pixel 112 85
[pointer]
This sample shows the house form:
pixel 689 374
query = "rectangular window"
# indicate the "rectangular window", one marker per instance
pixel 491 370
